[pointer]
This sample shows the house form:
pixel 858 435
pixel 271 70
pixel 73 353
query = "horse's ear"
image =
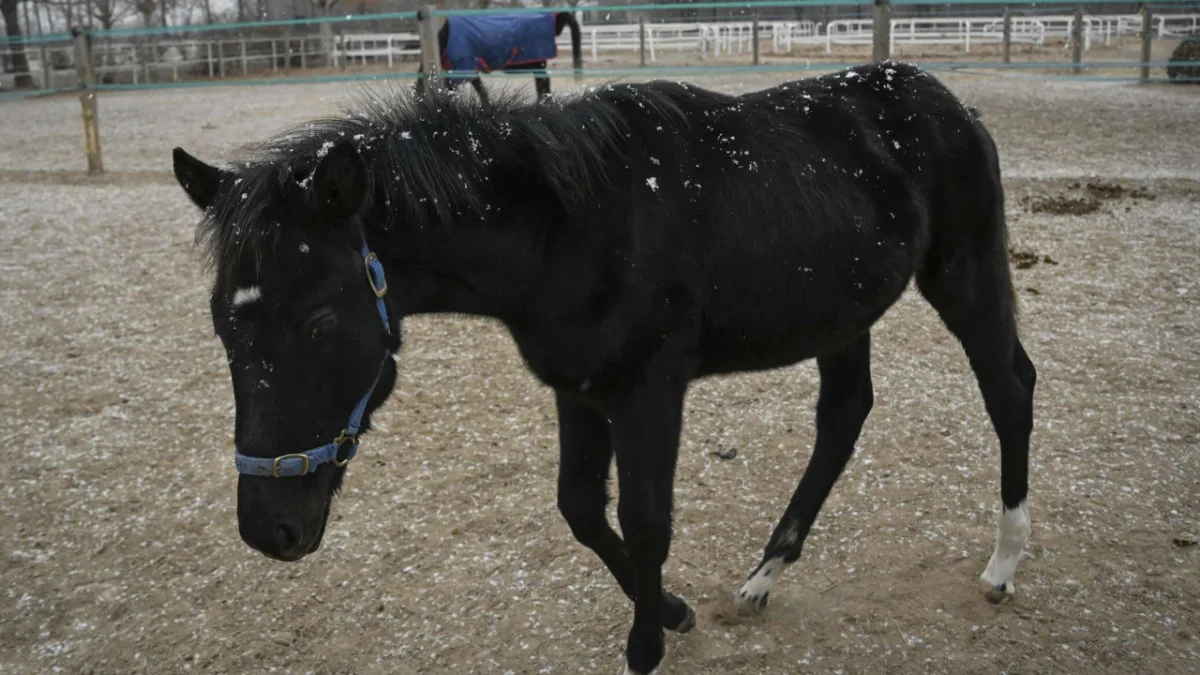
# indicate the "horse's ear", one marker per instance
pixel 199 180
pixel 339 183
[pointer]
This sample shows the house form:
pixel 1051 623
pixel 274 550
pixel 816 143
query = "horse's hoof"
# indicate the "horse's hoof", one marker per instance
pixel 753 595
pixel 747 600
pixel 999 593
pixel 686 624
pixel 678 617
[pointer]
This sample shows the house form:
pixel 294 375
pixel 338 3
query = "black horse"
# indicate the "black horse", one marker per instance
pixel 632 240
pixel 541 79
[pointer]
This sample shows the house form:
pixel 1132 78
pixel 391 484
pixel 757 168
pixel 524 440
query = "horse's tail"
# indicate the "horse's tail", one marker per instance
pixel 568 19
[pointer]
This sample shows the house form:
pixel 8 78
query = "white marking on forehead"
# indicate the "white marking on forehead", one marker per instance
pixel 245 296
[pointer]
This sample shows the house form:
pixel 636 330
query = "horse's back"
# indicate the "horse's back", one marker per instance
pixel 798 213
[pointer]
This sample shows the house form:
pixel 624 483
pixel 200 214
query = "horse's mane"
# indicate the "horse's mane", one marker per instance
pixel 429 159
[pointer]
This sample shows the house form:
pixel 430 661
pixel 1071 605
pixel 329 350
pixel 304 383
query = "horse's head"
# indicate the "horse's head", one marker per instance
pixel 301 309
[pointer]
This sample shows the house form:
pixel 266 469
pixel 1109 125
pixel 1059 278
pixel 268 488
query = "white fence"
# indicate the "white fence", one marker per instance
pixel 736 37
pixel 377 47
pixel 53 66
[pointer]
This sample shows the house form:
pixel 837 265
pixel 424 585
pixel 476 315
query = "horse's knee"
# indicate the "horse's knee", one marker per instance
pixel 1024 368
pixel 647 531
pixel 584 515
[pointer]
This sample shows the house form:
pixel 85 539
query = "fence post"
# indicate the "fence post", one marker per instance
pixel 754 37
pixel 1147 39
pixel 642 39
pixel 274 58
pixel 221 58
pixel 1077 41
pixel 208 45
pixel 87 99
pixel 45 56
pixel 431 61
pixel 148 57
pixel 243 56
pixel 881 28
pixel 1007 35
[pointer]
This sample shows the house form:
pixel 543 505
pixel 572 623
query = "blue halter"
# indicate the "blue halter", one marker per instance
pixel 304 463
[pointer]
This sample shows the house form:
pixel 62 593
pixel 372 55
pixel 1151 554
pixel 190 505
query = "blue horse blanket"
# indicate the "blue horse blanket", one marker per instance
pixel 497 42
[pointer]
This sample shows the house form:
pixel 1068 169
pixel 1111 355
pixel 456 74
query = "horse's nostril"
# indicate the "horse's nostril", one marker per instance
pixel 287 536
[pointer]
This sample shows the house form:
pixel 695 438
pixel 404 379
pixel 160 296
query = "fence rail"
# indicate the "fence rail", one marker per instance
pixel 174 58
pixel 773 35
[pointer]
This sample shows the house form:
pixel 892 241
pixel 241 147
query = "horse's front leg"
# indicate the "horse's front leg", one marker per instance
pixel 585 455
pixel 645 423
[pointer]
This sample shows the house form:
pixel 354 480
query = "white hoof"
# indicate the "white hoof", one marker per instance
pixel 753 594
pixel 1012 533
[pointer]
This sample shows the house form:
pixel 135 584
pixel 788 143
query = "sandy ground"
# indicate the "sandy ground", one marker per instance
pixel 119 550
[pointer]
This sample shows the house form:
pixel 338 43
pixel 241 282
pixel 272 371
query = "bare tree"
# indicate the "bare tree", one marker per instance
pixel 206 6
pixel 60 14
pixel 12 29
pixel 108 13
pixel 146 9
pixel 324 7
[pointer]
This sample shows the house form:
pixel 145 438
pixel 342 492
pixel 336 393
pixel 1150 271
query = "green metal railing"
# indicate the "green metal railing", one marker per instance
pixel 285 32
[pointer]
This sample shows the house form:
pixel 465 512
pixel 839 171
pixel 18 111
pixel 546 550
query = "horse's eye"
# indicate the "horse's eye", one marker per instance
pixel 321 324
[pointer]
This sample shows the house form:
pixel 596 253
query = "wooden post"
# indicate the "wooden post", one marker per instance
pixel 642 39
pixel 1077 41
pixel 431 57
pixel 1007 36
pixel 45 56
pixel 243 57
pixel 221 58
pixel 274 57
pixel 882 30
pixel 87 99
pixel 303 53
pixel 1147 39
pixel 208 46
pixel 754 36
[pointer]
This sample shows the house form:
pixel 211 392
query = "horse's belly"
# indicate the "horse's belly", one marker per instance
pixel 780 318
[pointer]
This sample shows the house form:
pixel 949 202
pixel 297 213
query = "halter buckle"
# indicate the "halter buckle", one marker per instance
pixel 279 460
pixel 342 439
pixel 372 258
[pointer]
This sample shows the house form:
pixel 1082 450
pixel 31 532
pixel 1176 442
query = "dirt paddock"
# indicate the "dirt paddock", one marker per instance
pixel 120 551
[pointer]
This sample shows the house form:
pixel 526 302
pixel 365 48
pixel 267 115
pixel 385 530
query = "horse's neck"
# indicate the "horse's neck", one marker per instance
pixel 459 269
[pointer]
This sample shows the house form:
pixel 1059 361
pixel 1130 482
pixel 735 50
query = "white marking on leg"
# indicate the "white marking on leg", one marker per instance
pixel 245 296
pixel 754 592
pixel 1012 533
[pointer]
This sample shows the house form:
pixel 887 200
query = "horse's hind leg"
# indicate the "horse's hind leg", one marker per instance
pixel 844 403
pixel 971 290
pixel 586 453
pixel 541 84
pixel 477 83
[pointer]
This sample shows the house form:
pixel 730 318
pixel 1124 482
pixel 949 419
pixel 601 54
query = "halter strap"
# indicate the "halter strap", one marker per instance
pixel 304 463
